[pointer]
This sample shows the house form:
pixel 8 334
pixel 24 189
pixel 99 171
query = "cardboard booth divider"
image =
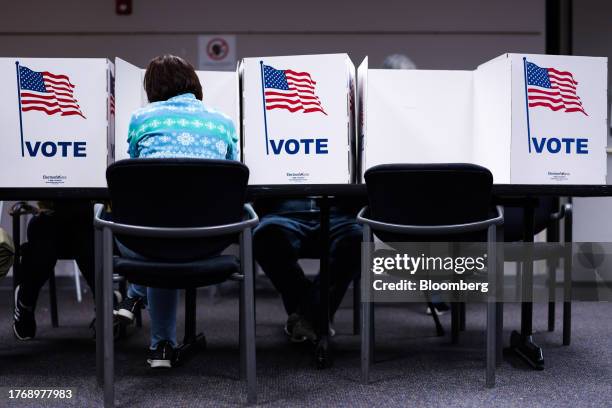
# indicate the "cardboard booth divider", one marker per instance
pixel 57 116
pixel 530 119
pixel 415 116
pixel 543 118
pixel 219 88
pixel 298 119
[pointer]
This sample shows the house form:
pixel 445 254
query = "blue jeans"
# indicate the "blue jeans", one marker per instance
pixel 281 239
pixel 161 303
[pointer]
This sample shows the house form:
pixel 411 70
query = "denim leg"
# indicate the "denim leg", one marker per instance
pixel 344 258
pixel 277 242
pixel 39 256
pixel 163 304
pixel 137 291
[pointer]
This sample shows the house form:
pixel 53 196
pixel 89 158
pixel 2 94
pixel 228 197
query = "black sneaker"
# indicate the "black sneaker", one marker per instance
pixel 303 330
pixel 117 325
pixel 126 310
pixel 24 323
pixel 162 356
pixel 291 321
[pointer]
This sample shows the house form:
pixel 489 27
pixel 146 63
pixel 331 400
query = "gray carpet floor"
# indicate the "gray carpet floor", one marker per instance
pixel 413 366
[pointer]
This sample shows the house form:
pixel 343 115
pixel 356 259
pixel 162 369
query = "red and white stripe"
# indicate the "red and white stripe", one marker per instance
pixel 59 97
pixel 300 96
pixel 562 95
pixel 112 104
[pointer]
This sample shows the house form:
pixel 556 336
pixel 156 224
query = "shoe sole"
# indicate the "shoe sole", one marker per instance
pixel 292 339
pixel 332 333
pixel 19 337
pixel 124 315
pixel 159 363
pixel 298 340
pixel 16 296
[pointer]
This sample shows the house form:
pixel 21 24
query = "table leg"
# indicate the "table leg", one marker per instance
pixel 552 235
pixel 567 279
pixel 522 343
pixel 98 297
pixel 323 349
pixel 499 321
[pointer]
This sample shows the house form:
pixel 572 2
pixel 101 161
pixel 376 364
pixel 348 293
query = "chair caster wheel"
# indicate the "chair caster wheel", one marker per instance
pixel 527 349
pixel 189 348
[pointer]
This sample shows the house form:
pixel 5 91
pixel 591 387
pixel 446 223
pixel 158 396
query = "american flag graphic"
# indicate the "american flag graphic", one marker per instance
pixel 291 90
pixel 47 92
pixel 553 89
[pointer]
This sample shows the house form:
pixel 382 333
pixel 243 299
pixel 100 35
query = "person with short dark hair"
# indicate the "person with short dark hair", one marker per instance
pixel 168 76
pixel 174 124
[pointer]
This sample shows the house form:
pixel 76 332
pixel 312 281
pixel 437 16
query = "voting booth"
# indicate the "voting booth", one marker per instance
pixel 219 88
pixel 530 119
pixel 542 119
pixel 298 119
pixel 56 116
pixel 414 116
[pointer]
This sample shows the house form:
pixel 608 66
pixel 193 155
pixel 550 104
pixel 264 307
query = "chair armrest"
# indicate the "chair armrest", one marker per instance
pixel 565 208
pixel 431 229
pixel 175 232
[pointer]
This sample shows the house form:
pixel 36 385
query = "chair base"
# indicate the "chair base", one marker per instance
pixel 526 349
pixel 189 348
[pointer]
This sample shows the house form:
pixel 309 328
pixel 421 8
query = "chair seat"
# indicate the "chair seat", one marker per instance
pixel 177 275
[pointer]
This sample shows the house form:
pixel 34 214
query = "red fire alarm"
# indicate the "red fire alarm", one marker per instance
pixel 123 7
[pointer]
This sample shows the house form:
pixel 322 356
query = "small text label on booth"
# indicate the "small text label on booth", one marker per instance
pixel 52 149
pixel 555 145
pixel 294 146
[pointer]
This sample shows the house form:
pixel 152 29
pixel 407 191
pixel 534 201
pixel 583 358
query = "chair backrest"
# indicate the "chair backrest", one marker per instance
pixel 514 218
pixel 429 194
pixel 177 193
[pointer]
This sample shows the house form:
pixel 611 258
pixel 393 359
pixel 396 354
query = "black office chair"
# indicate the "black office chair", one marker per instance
pixel 429 203
pixel 179 214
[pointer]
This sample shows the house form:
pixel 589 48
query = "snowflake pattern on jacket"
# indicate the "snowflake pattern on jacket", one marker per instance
pixel 182 126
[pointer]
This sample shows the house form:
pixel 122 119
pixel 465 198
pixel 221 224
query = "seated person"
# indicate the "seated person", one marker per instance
pixel 290 230
pixel 175 123
pixel 61 229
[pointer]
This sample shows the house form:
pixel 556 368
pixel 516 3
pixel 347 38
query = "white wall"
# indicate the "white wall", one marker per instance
pixel 273 16
pixel 593 36
pixel 439 34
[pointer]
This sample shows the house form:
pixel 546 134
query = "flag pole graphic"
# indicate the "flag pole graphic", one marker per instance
pixel 527 104
pixel 19 99
pixel 263 98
